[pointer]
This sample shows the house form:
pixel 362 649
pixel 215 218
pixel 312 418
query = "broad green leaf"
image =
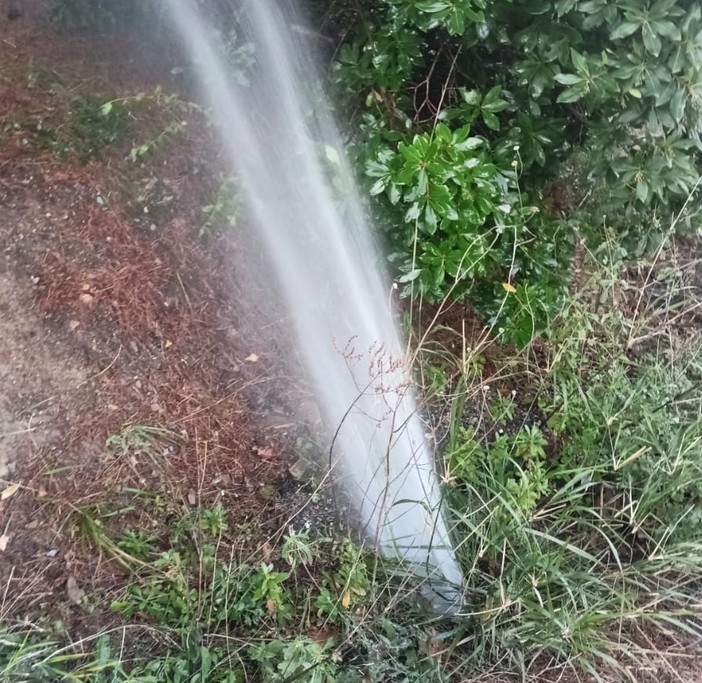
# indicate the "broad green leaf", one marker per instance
pixel 440 200
pixel 378 186
pixel 642 191
pixel 677 105
pixel 667 29
pixel 412 275
pixel 579 61
pixel 443 132
pixel 412 213
pixel 491 121
pixel 430 219
pixel 572 94
pixel 456 23
pixel 662 9
pixel 626 28
pixel 568 79
pixel 635 92
pixel 469 144
pixel 493 101
pixel 564 6
pixel 394 194
pixel 432 6
pixel 651 41
pixel 422 182
pixel 471 97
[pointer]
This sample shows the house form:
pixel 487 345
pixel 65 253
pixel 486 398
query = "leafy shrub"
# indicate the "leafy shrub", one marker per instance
pixel 484 126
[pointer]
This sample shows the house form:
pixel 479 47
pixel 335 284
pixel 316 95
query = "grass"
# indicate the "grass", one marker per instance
pixel 578 533
pixel 576 527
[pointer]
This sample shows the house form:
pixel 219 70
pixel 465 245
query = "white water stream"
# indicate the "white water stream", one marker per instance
pixel 282 143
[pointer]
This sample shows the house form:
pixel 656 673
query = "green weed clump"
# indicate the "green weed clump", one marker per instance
pixel 227 612
pixel 578 527
pixel 94 126
pixel 101 14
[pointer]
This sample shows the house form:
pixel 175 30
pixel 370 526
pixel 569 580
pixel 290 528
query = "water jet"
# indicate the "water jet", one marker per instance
pixel 281 140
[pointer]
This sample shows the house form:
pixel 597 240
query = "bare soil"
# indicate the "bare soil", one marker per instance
pixel 114 312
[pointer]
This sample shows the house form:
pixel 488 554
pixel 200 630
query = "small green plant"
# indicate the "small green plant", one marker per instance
pixel 157 144
pixel 214 521
pixel 154 442
pixel 94 125
pixel 164 594
pixel 301 659
pixel 138 544
pixel 501 408
pixel 89 130
pixel 349 585
pixel 225 210
pixel 298 549
pixel 268 588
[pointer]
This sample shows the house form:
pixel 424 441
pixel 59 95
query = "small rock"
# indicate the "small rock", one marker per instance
pixel 86 298
pixel 299 469
pixel 75 592
pixel 267 492
pixel 73 325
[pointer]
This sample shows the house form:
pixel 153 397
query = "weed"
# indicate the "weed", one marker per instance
pixel 138 543
pixel 298 549
pixel 347 586
pixel 95 125
pixel 88 131
pixel 225 210
pixel 194 662
pixel 556 528
pixel 36 656
pixel 501 409
pixel 300 659
pixel 134 440
pixel 158 143
pixel 214 521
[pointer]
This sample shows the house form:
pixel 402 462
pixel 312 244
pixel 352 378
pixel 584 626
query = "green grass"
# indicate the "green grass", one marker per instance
pixel 579 533
pixel 577 529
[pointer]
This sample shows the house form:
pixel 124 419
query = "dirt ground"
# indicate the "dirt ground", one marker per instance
pixel 116 315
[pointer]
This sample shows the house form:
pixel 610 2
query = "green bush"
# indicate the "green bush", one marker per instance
pixel 498 134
